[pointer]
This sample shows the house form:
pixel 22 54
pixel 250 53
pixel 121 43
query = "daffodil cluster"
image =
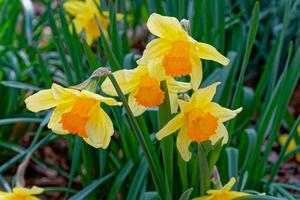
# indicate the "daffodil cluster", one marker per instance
pixel 172 55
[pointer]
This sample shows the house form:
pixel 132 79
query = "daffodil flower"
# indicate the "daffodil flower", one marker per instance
pixel 84 13
pixel 144 89
pixel 292 145
pixel 223 194
pixel 175 52
pixel 76 112
pixel 20 193
pixel 199 120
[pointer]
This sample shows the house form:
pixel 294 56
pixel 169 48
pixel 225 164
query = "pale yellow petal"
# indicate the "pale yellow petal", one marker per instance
pixel 119 15
pixel 41 100
pixel 157 71
pixel 89 38
pixel 28 191
pixel 184 105
pixel 177 86
pixel 208 52
pixel 155 52
pixel 106 100
pixel 230 184
pixel 197 73
pixel 128 81
pixel 173 102
pixel 282 140
pixel 234 194
pixel 54 123
pixel 183 142
pixel 135 107
pixel 99 128
pixel 223 114
pixel 79 24
pixel 75 7
pixel 64 94
pixel 203 96
pixel 166 27
pixel 221 132
pixel 206 197
pixel 173 125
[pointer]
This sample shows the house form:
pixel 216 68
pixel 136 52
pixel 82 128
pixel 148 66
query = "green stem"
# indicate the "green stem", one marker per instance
pixel 167 142
pixel 145 142
pixel 204 172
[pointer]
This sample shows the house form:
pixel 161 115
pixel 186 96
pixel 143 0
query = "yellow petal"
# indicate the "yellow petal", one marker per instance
pixel 183 142
pixel 89 38
pixel 234 194
pixel 156 71
pixel 154 52
pixel 184 105
pixel 196 75
pixel 173 125
pixel 208 52
pixel 173 102
pixel 128 81
pixel 230 184
pixel 3 194
pixel 54 123
pixel 221 132
pixel 64 94
pixel 166 27
pixel 204 96
pixel 74 7
pixel 119 16
pixel 106 100
pixel 206 197
pixel 41 100
pixel 79 24
pixel 99 128
pixel 223 114
pixel 28 191
pixel 135 107
pixel 282 140
pixel 177 86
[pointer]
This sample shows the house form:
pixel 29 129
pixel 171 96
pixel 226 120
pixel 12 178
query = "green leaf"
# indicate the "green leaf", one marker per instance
pixel 20 85
pixel 186 195
pixel 87 190
pixel 137 182
pixel 120 178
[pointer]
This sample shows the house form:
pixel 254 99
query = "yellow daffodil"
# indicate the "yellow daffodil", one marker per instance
pixel 20 193
pixel 177 52
pixel 223 194
pixel 144 89
pixel 199 120
pixel 76 112
pixel 283 138
pixel 84 13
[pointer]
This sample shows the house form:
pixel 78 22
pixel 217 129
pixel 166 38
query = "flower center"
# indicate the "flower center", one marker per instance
pixel 177 61
pixel 221 197
pixel 75 120
pixel 149 93
pixel 18 197
pixel 202 125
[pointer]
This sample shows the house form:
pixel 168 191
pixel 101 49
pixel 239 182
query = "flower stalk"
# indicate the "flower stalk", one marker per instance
pixel 149 151
pixel 168 142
